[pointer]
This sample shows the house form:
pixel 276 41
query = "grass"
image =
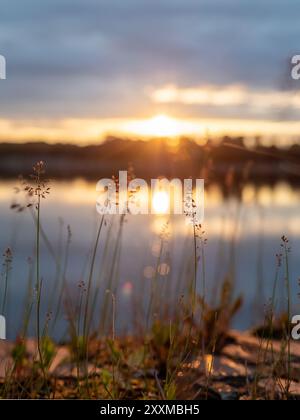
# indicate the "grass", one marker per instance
pixel 5 276
pixel 175 330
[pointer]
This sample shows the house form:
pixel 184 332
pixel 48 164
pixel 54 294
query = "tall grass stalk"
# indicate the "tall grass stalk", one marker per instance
pixel 86 319
pixel 102 270
pixel 112 283
pixel 62 281
pixel 7 267
pixel 266 339
pixel 153 296
pixel 38 192
pixel 289 312
pixel 38 284
pixel 28 304
pixel 194 291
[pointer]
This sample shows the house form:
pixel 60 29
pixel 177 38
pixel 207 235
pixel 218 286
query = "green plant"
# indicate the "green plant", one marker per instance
pixel 5 276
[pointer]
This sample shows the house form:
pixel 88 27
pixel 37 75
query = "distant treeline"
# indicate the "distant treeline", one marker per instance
pixel 158 157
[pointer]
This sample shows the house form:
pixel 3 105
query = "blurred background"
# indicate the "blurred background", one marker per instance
pixel 193 88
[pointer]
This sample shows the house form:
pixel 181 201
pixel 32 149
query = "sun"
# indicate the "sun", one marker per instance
pixel 158 126
pixel 161 202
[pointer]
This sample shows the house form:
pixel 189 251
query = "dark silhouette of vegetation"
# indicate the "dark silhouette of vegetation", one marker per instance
pixel 155 157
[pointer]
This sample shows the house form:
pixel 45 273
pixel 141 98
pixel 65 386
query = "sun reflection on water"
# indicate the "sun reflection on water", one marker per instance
pixel 278 205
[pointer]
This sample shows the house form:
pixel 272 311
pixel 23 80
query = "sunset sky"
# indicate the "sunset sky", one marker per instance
pixel 77 70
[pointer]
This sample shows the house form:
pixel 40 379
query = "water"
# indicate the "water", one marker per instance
pixel 250 227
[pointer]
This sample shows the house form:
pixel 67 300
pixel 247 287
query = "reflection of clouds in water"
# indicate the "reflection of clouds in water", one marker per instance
pixel 264 211
pixel 254 222
pixel 249 194
pixel 274 209
pixel 7 191
pixel 78 192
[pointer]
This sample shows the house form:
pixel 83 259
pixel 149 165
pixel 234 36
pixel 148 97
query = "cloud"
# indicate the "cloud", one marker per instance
pixel 264 102
pixel 95 58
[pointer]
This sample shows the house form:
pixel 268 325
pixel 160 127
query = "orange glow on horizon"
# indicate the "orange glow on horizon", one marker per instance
pixel 160 126
pixel 84 131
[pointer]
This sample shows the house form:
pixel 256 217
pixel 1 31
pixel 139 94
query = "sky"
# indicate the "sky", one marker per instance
pixel 77 70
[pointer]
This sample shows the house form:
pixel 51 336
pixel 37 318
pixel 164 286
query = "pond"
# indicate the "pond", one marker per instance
pixel 243 238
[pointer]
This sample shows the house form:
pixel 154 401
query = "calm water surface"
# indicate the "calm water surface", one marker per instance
pixel 243 236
